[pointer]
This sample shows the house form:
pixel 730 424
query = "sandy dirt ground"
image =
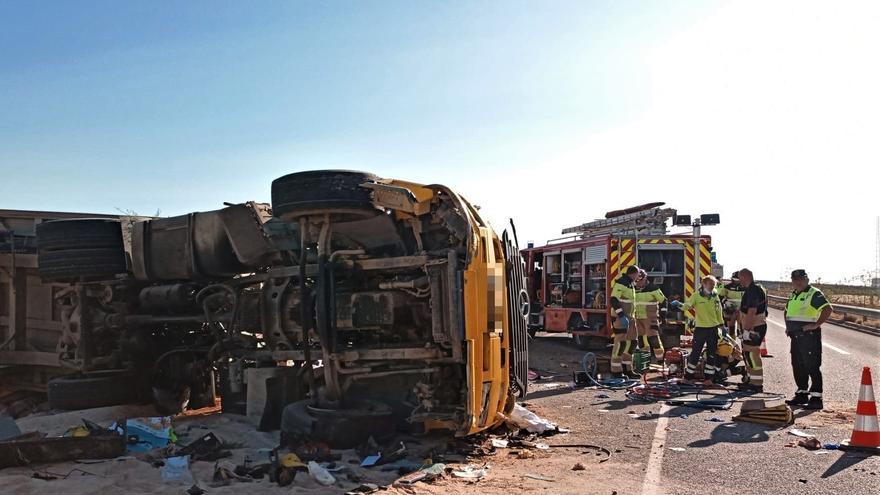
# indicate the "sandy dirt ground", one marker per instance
pixel 654 448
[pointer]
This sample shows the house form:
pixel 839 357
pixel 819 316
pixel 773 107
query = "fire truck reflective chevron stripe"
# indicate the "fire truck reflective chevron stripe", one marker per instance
pixel 705 260
pixel 623 254
pixel 688 270
pixel 689 260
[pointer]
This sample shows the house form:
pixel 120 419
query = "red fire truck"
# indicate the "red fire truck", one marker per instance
pixel 570 278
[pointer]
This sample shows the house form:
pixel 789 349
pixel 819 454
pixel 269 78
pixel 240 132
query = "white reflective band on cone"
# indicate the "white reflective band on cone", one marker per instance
pixel 866 423
pixel 866 393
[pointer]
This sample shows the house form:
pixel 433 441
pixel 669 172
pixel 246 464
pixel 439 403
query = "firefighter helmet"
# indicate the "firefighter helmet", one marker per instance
pixel 725 349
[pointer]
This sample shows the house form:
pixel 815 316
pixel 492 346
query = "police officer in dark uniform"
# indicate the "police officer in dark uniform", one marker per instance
pixel 806 311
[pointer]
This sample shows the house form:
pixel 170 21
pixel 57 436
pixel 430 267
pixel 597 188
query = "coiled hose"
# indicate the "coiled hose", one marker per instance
pixel 590 366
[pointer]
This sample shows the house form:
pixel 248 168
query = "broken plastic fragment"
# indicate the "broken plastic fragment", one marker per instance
pixel 799 433
pixel 469 472
pixel 321 475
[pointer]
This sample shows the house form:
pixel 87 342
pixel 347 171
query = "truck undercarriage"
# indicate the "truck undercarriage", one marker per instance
pixel 349 292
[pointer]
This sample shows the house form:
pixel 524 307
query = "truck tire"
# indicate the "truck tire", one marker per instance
pixel 314 191
pixel 342 428
pixel 72 264
pixel 79 234
pixel 95 389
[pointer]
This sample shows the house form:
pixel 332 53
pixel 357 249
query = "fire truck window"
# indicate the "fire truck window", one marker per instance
pixel 555 280
pixel 662 262
pixel 594 287
pixel 572 293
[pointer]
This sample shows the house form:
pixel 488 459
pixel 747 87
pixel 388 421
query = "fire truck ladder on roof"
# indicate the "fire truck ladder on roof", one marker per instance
pixel 646 222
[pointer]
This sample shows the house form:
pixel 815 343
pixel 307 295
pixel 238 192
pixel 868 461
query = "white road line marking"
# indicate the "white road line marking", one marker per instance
pixel 824 344
pixel 653 472
pixel 838 349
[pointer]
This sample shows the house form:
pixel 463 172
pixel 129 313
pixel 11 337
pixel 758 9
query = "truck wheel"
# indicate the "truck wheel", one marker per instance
pixel 94 389
pixel 71 264
pixel 304 193
pixel 79 234
pixel 341 428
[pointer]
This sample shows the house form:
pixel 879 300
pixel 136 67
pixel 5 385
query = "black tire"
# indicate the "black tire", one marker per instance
pixel 304 192
pixel 79 234
pixel 96 389
pixel 342 428
pixel 72 264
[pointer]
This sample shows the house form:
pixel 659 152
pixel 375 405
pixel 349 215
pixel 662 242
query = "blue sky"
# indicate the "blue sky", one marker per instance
pixel 180 106
pixel 184 100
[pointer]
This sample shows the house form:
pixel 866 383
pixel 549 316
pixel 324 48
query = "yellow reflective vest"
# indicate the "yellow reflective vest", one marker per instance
pixel 707 309
pixel 734 292
pixel 800 306
pixel 623 295
pixel 648 302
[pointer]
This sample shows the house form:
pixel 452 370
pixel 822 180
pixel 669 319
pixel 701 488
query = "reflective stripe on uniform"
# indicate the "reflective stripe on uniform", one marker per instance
pixel 802 319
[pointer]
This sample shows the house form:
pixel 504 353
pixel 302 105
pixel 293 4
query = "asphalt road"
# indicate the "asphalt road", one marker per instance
pixel 677 451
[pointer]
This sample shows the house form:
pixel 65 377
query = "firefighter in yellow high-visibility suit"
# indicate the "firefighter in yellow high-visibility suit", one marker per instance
pixel 708 322
pixel 731 295
pixel 650 306
pixel 623 296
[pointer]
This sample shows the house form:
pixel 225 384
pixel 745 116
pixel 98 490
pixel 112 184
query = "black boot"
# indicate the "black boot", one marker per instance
pixel 798 400
pixel 754 388
pixel 815 404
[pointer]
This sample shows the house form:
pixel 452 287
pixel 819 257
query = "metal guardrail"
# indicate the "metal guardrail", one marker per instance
pixel 843 309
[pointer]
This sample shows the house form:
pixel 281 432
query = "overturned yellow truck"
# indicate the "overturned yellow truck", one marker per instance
pixel 351 306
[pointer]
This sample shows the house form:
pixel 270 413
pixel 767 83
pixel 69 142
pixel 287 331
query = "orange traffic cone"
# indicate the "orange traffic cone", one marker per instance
pixel 764 351
pixel 866 433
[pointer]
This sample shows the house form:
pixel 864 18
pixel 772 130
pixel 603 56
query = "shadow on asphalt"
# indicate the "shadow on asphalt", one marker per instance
pixel 550 392
pixel 845 461
pixel 615 405
pixel 741 433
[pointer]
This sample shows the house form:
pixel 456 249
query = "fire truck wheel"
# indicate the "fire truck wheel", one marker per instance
pixel 588 343
pixel 93 389
pixel 72 264
pixel 79 234
pixel 316 191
